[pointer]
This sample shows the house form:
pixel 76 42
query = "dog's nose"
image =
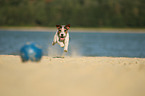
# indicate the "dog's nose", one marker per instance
pixel 61 35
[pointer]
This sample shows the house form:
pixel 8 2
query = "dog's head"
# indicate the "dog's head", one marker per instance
pixel 62 31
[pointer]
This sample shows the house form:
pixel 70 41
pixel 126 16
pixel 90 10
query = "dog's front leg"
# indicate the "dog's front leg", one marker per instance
pixel 66 43
pixel 54 39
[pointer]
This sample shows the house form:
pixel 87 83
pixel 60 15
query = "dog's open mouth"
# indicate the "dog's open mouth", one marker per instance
pixel 62 39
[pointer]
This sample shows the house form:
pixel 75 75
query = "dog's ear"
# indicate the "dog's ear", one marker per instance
pixel 58 26
pixel 67 26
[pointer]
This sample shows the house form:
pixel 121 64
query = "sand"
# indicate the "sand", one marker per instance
pixel 72 76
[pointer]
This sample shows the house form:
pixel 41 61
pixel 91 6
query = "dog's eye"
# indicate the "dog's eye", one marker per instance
pixel 65 30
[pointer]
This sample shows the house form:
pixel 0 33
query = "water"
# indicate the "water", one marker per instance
pixel 83 44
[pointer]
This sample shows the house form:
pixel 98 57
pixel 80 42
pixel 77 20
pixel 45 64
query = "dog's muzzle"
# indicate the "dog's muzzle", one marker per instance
pixel 62 37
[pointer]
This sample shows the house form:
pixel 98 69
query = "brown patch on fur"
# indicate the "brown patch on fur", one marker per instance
pixel 67 26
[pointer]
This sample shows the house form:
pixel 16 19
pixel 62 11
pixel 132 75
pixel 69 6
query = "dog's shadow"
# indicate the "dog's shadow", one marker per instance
pixel 58 57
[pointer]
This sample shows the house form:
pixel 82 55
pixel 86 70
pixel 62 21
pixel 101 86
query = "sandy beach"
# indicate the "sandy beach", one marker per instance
pixel 72 76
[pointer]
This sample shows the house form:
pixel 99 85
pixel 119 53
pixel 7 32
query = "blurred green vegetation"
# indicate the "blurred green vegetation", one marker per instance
pixel 78 13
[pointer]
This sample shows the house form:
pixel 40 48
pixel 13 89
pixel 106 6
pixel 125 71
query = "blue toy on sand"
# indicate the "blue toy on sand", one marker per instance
pixel 31 51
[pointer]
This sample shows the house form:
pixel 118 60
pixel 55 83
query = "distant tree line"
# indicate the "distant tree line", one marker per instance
pixel 79 13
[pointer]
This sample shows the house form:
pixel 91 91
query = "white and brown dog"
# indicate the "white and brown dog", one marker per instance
pixel 62 36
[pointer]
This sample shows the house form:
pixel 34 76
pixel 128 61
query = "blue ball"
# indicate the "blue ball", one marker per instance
pixel 31 51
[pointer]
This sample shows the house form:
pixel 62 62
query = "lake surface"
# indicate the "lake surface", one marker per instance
pixel 82 44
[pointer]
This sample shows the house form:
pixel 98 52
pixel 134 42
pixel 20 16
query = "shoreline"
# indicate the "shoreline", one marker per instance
pixel 75 29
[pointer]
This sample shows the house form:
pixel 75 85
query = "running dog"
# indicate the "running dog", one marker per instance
pixel 62 36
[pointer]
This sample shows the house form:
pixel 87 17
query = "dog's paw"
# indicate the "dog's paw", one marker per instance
pixel 53 43
pixel 62 46
pixel 65 50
